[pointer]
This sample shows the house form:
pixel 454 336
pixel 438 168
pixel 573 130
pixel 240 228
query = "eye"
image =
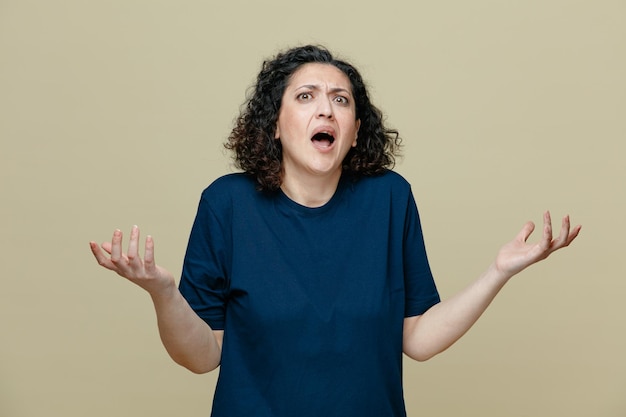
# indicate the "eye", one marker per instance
pixel 304 96
pixel 342 100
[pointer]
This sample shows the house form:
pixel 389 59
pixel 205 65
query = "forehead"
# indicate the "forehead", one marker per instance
pixel 319 74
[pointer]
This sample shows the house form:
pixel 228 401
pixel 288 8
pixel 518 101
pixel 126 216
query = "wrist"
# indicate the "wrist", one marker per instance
pixel 499 275
pixel 164 293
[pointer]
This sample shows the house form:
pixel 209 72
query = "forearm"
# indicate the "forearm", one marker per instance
pixel 443 324
pixel 186 337
pixel 189 341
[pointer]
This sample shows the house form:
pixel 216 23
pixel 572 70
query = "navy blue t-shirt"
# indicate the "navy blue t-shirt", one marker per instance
pixel 311 300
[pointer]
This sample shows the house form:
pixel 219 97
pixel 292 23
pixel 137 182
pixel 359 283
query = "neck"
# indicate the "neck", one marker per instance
pixel 311 191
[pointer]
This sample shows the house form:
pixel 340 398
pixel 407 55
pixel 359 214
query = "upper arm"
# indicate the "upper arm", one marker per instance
pixel 219 338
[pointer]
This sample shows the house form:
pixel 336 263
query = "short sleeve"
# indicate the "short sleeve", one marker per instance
pixel 420 289
pixel 204 280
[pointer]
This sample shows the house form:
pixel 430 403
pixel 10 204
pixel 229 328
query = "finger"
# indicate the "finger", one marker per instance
pixel 116 247
pixel 133 244
pixel 526 231
pixel 149 253
pixel 100 256
pixel 547 231
pixel 572 235
pixel 107 247
pixel 561 240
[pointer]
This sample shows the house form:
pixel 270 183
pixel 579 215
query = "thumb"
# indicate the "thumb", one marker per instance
pixel 526 231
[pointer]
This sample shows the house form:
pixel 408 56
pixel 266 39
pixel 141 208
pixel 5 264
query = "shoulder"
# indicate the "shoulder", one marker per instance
pixel 229 191
pixel 392 178
pixel 387 182
pixel 232 189
pixel 229 184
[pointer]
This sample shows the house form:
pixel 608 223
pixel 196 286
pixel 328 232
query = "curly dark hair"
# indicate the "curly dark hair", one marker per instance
pixel 252 139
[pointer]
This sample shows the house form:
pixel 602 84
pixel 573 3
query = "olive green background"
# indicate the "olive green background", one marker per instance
pixel 112 113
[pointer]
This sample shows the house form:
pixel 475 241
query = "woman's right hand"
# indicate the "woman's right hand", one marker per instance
pixel 143 272
pixel 187 338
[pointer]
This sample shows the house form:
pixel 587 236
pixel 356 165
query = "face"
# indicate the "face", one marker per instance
pixel 317 122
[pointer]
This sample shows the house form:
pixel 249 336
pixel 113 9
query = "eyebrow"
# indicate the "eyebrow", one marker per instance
pixel 317 87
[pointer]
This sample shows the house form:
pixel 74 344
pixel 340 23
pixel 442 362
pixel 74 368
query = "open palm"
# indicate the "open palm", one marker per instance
pixel 518 254
pixel 143 272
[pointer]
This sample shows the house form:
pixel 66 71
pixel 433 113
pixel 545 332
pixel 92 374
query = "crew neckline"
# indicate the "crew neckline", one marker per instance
pixel 287 202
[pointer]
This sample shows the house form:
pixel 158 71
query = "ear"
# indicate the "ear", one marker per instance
pixel 277 132
pixel 356 135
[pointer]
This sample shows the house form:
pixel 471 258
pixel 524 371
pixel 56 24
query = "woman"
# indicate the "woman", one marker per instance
pixel 306 276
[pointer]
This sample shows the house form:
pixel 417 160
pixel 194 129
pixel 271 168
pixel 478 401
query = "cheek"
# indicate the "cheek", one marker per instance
pixel 290 124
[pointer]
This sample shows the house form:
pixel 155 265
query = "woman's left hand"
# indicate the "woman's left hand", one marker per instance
pixel 518 254
pixel 444 323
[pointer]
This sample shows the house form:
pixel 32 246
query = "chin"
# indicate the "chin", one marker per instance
pixel 327 170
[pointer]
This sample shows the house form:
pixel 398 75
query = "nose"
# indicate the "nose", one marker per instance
pixel 325 108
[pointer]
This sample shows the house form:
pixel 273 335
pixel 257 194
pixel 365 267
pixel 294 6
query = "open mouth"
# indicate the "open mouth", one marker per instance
pixel 323 138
